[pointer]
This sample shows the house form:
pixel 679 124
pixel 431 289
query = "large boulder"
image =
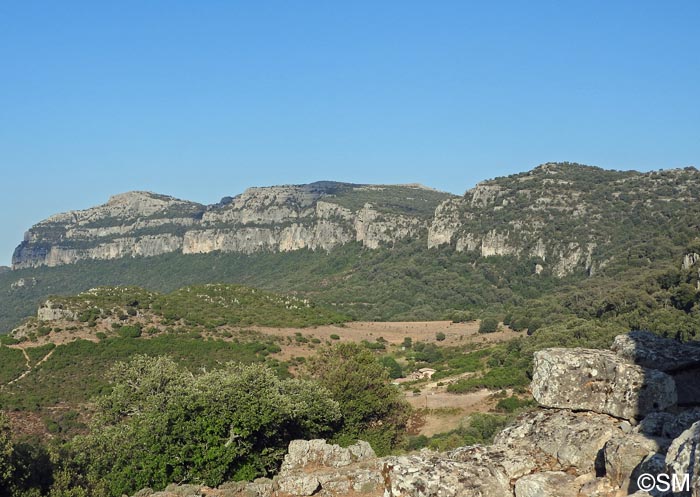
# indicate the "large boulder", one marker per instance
pixel 547 484
pixel 680 360
pixel 668 425
pixel 599 381
pixel 314 467
pixel 430 474
pixel 559 440
pixel 683 458
pixel 652 351
pixel 628 456
pixel 317 453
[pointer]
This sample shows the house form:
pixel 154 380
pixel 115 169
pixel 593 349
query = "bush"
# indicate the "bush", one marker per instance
pixel 392 366
pixel 130 331
pixel 488 325
pixel 513 403
pixel 440 336
pixel 335 337
pixel 372 409
pixel 161 424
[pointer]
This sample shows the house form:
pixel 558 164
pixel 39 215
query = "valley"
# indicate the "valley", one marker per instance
pixel 394 314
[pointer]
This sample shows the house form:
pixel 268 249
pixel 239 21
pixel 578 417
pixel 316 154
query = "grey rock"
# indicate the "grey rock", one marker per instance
pixel 299 485
pixel 547 484
pixel 314 467
pixel 592 486
pixel 599 381
pixel 683 458
pixel 318 453
pixel 652 351
pixel 624 454
pixel 668 425
pixel 559 440
pixel 433 475
pixel 513 461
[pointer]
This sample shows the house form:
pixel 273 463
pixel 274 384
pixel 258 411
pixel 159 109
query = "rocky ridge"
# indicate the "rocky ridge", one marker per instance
pixel 559 217
pixel 565 217
pixel 318 216
pixel 590 437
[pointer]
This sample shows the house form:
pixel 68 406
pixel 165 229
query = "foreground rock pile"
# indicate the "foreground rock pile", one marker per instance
pixel 605 418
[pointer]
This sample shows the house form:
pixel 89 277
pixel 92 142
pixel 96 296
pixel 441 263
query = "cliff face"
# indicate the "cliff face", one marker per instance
pixel 558 218
pixel 316 216
pixel 569 217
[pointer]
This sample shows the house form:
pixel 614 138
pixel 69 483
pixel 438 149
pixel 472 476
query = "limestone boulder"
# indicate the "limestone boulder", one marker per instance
pixel 547 484
pixel 683 458
pixel 559 440
pixel 431 474
pixel 668 425
pixel 627 457
pixel 680 360
pixel 314 467
pixel 317 453
pixel 652 351
pixel 599 381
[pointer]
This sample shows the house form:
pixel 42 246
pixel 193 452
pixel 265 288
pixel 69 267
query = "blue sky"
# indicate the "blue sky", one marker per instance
pixel 203 99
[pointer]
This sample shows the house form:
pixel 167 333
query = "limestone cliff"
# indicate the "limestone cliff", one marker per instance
pixel 556 219
pixel 318 216
pixel 568 217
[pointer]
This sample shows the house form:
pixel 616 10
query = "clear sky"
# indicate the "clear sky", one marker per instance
pixel 202 99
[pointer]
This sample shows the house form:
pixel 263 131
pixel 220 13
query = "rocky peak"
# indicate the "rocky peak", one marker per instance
pixel 142 203
pixel 319 215
pixel 561 218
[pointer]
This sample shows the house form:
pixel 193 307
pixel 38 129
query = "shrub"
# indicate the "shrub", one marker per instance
pixel 440 336
pixel 160 424
pixel 130 331
pixel 513 403
pixel 372 409
pixel 488 325
pixel 392 366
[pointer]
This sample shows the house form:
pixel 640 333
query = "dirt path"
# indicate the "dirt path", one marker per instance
pixel 30 368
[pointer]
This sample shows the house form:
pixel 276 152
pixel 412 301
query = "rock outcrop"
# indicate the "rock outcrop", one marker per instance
pixel 318 216
pixel 559 218
pixel 586 442
pixel 559 214
pixel 679 360
pixel 599 381
pixel 584 449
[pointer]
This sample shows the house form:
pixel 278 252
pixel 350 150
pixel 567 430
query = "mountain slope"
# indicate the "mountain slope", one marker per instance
pixel 505 242
pixel 569 217
pixel 320 215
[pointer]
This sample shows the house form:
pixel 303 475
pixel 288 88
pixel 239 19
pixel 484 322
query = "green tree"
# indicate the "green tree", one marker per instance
pixel 488 325
pixel 161 424
pixel 6 451
pixel 372 408
pixel 394 368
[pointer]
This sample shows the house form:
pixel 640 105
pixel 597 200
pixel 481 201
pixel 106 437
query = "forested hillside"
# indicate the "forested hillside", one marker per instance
pixel 563 235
